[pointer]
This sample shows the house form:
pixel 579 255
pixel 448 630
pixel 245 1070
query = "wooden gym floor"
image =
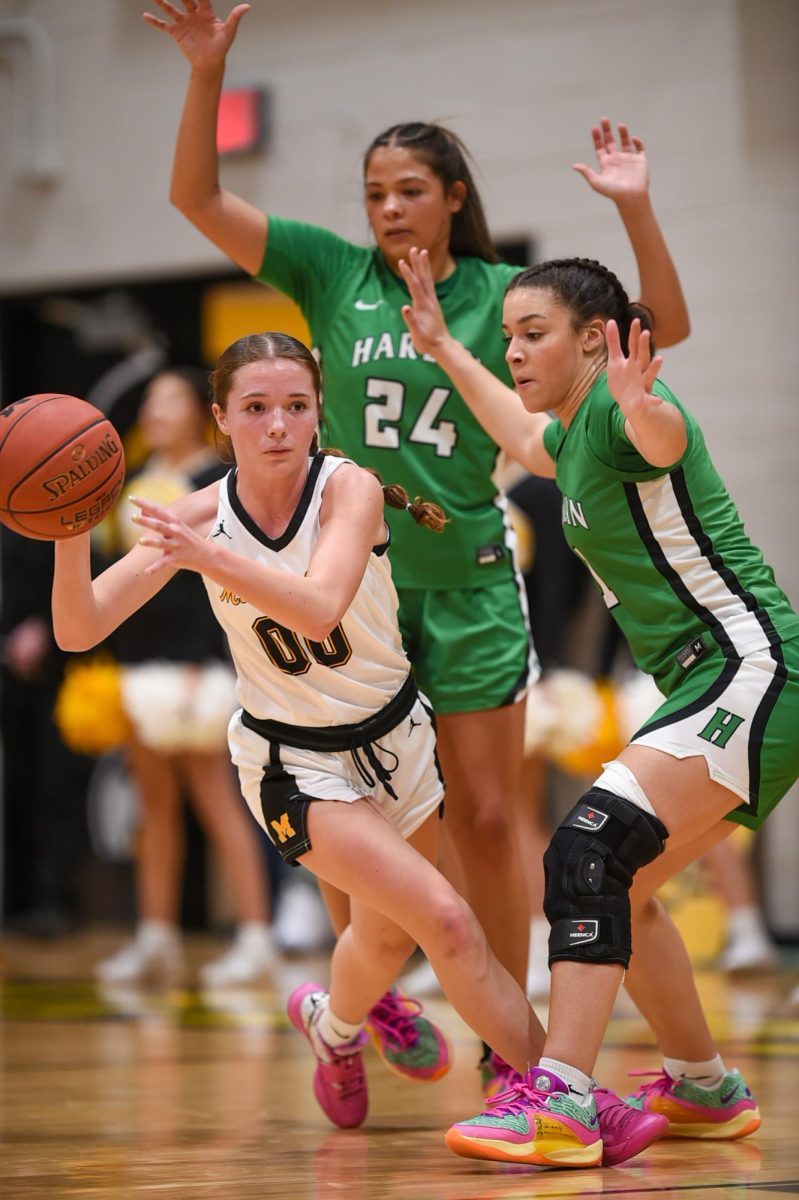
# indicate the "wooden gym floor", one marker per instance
pixel 116 1094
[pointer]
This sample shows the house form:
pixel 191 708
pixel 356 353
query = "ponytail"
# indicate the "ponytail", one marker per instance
pixel 424 512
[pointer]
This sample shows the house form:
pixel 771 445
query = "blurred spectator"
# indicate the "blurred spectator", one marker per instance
pixel 749 945
pixel 178 692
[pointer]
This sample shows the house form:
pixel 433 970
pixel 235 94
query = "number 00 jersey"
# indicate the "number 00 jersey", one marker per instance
pixel 667 547
pixel 283 676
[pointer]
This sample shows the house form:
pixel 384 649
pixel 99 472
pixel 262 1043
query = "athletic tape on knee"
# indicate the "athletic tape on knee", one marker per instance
pixel 589 868
pixel 617 778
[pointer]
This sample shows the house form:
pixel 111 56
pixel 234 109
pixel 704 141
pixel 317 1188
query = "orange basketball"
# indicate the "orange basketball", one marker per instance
pixel 61 466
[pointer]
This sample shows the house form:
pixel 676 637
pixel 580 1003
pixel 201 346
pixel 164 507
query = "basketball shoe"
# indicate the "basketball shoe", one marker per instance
pixel 496 1076
pixel 339 1081
pixel 536 1122
pixel 727 1110
pixel 406 1041
pixel 626 1131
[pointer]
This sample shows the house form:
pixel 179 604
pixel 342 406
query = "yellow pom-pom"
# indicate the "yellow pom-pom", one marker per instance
pixel 88 709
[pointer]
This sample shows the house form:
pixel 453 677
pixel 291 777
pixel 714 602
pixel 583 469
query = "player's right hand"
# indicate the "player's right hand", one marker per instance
pixel 202 37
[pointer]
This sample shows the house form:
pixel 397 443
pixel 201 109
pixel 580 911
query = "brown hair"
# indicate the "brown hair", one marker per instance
pixel 447 157
pixel 255 347
pixel 588 290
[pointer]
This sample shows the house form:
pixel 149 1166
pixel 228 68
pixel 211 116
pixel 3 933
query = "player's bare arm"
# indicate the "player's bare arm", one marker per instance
pixel 622 174
pixel 238 228
pixel 86 611
pixel 312 605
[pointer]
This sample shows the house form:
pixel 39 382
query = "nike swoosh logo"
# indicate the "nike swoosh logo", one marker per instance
pixel 365 306
pixel 729 1096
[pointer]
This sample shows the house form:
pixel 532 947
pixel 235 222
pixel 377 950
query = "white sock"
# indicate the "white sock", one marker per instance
pixel 746 921
pixel 156 933
pixel 254 934
pixel 579 1084
pixel 706 1074
pixel 335 1032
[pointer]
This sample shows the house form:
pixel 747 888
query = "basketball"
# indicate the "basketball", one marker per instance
pixel 61 466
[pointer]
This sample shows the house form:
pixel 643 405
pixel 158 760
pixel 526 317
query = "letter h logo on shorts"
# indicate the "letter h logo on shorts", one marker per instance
pixel 720 728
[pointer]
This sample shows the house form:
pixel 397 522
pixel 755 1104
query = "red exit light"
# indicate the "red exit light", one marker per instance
pixel 242 124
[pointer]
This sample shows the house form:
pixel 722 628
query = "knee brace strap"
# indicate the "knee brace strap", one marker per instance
pixel 589 868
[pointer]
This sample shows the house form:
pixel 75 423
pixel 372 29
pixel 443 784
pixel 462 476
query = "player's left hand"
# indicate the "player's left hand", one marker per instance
pixel 424 317
pixel 622 173
pixel 631 378
pixel 180 546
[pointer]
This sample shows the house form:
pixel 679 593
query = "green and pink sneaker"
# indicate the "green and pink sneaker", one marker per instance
pixel 536 1122
pixel 339 1081
pixel 725 1111
pixel 406 1041
pixel 496 1076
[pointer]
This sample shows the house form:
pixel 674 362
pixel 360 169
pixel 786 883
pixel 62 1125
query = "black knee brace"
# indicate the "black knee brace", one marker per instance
pixel 588 869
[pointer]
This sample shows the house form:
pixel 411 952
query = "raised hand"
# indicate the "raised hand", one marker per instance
pixel 203 38
pixel 630 379
pixel 622 172
pixel 424 317
pixel 180 546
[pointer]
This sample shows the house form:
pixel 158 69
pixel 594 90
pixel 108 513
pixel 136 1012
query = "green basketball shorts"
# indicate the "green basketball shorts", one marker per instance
pixel 470 649
pixel 742 716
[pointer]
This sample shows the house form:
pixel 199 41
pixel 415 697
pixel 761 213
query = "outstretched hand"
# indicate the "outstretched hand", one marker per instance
pixel 424 317
pixel 180 546
pixel 631 378
pixel 622 172
pixel 203 38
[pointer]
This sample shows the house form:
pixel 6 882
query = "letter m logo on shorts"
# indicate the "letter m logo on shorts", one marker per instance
pixel 283 828
pixel 721 727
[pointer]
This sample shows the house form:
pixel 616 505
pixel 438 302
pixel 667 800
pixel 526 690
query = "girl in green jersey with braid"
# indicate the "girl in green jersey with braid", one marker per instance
pixel 644 507
pixel 396 411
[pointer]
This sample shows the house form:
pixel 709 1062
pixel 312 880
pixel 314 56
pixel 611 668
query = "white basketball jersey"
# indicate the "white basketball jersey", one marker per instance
pixel 282 675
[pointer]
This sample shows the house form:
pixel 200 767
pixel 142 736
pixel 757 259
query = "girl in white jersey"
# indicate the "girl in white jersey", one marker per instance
pixel 334 745
pixel 646 510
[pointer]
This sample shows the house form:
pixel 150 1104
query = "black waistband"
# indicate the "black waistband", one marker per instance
pixel 331 738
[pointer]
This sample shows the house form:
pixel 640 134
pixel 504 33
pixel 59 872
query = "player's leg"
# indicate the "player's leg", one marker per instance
pixel 660 977
pixel 590 864
pixel 358 851
pixel 397 899
pixel 687 804
pixel 472 657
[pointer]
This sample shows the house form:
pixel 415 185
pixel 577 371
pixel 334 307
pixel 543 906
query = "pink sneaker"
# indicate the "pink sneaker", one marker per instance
pixel 724 1112
pixel 406 1041
pixel 339 1081
pixel 497 1077
pixel 537 1122
pixel 625 1130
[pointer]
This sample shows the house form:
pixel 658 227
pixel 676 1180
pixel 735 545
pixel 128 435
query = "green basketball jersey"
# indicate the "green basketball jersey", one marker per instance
pixel 667 549
pixel 396 411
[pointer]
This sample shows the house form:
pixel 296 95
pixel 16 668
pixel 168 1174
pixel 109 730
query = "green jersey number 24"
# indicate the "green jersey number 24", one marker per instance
pixel 381 419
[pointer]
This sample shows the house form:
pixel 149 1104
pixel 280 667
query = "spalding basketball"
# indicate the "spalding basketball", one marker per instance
pixel 61 466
